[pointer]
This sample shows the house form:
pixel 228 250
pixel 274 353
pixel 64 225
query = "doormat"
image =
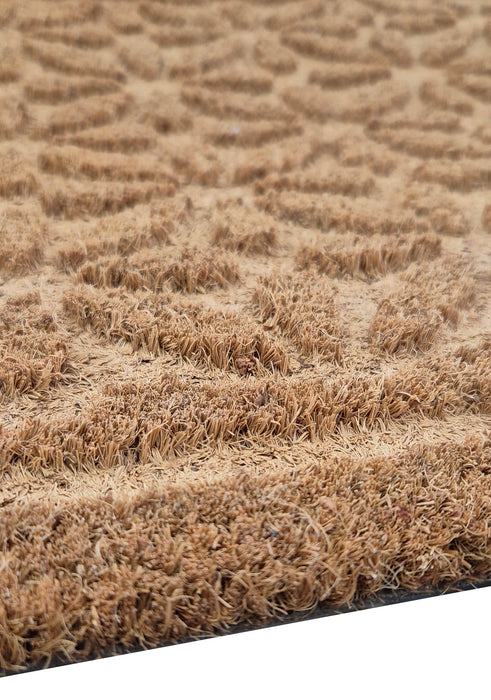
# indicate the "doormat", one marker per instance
pixel 245 316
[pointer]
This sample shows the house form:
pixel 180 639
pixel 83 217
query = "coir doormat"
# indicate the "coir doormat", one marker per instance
pixel 245 336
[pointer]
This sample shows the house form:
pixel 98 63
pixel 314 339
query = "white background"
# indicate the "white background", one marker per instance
pixel 432 648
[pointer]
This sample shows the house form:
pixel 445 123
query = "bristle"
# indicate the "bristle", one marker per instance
pixel 304 310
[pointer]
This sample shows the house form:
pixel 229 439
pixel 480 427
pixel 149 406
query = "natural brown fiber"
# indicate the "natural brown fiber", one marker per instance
pixel 245 315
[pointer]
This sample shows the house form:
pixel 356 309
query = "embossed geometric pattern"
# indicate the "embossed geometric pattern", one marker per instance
pixel 245 338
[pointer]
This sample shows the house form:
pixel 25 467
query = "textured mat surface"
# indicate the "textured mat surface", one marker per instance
pixel 245 335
